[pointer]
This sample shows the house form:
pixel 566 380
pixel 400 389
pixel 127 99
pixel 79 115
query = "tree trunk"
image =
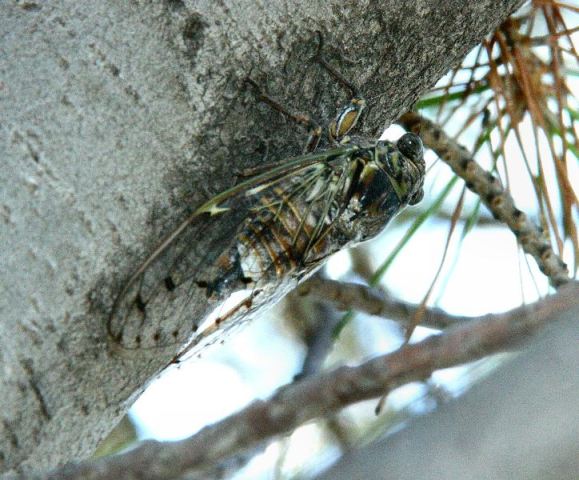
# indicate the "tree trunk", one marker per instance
pixel 119 118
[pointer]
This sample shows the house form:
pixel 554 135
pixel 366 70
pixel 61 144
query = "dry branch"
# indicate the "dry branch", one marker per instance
pixel 325 394
pixel 520 423
pixel 492 194
pixel 373 301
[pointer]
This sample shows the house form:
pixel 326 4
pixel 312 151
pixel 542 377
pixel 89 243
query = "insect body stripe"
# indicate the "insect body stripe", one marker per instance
pixel 264 247
pixel 288 216
pixel 282 235
pixel 297 227
pixel 286 248
pixel 335 188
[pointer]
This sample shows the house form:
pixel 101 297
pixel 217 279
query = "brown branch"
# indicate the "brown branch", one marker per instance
pixel 324 394
pixel 315 326
pixel 492 194
pixel 315 322
pixel 373 301
pixel 519 423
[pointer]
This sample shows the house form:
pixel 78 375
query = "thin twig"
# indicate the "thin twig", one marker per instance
pixel 314 323
pixel 373 301
pixel 492 194
pixel 324 395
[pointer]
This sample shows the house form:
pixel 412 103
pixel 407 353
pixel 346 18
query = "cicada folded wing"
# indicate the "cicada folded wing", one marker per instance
pixel 249 236
pixel 161 303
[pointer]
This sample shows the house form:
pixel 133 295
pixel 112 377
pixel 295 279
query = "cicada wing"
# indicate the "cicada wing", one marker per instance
pixel 166 298
pixel 266 284
pixel 162 301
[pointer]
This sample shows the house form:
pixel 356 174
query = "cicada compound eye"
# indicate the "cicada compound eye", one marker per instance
pixel 411 146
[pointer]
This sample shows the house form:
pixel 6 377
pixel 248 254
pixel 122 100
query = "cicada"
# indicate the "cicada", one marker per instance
pixel 282 224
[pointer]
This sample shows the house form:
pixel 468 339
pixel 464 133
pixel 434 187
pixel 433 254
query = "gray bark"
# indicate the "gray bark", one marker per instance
pixel 117 118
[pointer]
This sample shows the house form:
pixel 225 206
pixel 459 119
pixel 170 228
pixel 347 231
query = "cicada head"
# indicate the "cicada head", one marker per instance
pixel 391 178
pixel 395 175
pixel 410 147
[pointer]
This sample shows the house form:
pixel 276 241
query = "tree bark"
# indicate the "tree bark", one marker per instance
pixel 118 118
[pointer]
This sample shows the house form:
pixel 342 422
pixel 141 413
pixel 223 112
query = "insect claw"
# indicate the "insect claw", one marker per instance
pixel 252 171
pixel 320 37
pixel 202 284
pixel 253 83
pixel 240 173
pixel 211 288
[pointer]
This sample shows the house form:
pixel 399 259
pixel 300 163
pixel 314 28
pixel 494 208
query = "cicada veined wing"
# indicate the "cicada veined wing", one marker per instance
pixel 179 281
pixel 275 228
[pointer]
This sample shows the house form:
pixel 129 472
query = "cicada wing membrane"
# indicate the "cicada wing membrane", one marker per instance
pixel 163 300
pixel 166 298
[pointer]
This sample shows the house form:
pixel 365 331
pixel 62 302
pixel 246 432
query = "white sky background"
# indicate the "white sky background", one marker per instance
pixel 487 275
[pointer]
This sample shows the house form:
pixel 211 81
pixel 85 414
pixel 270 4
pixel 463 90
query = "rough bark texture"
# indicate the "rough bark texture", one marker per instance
pixel 116 118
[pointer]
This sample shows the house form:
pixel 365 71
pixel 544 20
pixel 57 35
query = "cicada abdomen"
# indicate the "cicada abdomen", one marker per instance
pixel 286 230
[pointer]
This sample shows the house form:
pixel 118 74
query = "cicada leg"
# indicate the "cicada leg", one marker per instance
pixel 337 75
pixel 349 115
pixel 314 130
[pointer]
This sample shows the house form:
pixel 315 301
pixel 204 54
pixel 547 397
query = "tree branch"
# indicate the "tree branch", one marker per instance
pixel 327 393
pixel 521 423
pixel 373 301
pixel 488 187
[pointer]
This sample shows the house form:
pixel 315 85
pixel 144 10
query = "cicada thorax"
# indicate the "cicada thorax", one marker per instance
pixel 375 194
pixel 387 179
